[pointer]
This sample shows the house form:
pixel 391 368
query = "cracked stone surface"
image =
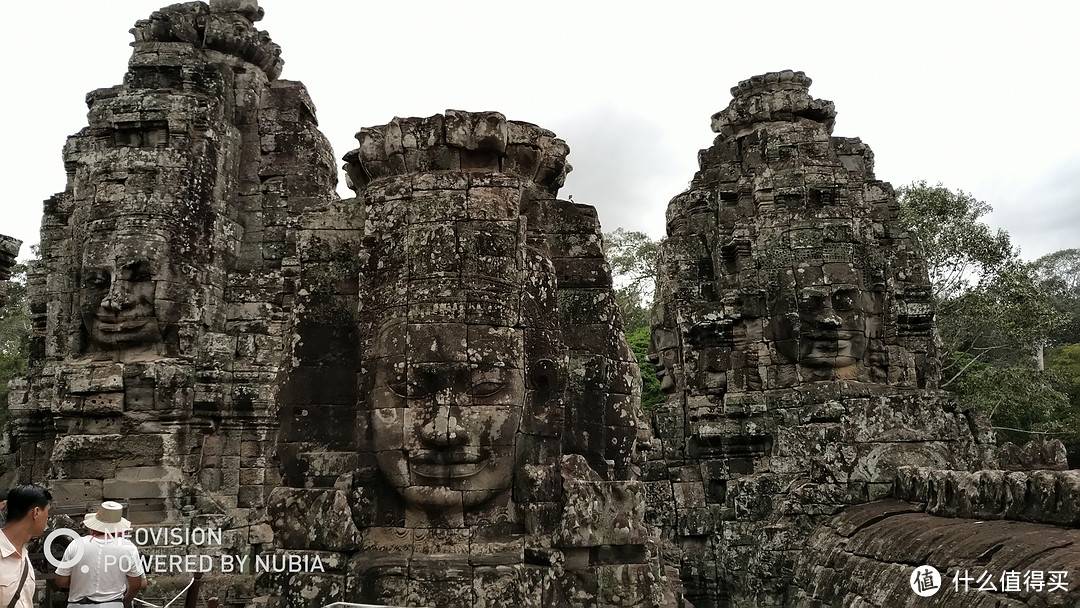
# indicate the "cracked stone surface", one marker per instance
pixel 793 328
pixel 426 387
pixel 865 557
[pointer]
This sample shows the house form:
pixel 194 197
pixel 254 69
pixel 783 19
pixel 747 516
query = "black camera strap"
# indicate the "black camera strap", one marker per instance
pixel 25 573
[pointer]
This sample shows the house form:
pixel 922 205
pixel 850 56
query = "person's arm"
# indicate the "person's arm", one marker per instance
pixel 135 584
pixel 63 575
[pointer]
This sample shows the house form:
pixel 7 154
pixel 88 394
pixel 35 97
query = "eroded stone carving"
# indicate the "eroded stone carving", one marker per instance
pixel 118 280
pixel 449 363
pixel 426 388
pixel 496 446
pixel 794 327
pixel 161 305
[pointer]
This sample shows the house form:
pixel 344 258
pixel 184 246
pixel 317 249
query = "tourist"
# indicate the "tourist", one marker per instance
pixel 27 515
pixel 109 574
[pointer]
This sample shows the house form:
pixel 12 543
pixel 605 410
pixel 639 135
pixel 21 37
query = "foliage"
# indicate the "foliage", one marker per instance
pixel 991 305
pixel 960 250
pixel 14 334
pixel 632 256
pixel 1064 363
pixel 1059 275
pixel 1022 402
pixel 994 314
pixel 635 313
pixel 1003 320
pixel 650 384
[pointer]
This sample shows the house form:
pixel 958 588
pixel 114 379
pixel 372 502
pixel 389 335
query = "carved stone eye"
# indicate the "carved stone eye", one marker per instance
pixel 98 280
pixel 486 389
pixel 422 385
pixel 844 300
pixel 812 303
pixel 137 271
pixel 399 388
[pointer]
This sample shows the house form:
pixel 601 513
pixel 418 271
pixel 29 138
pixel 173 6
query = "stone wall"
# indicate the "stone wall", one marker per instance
pixel 867 555
pixel 1048 497
pixel 988 525
pixel 793 330
pixel 162 303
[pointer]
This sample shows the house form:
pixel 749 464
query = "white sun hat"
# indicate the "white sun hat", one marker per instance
pixel 108 518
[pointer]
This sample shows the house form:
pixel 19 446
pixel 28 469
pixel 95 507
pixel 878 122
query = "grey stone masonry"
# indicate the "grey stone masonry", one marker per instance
pixel 793 330
pixel 162 302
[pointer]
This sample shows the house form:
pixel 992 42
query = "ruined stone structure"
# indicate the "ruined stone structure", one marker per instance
pixel 793 327
pixel 162 303
pixel 487 456
pixel 998 538
pixel 425 389
pixel 422 394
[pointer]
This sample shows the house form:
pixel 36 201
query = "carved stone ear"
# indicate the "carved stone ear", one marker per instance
pixel 543 378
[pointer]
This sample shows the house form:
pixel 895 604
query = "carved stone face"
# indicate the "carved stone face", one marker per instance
pixel 446 403
pixel 117 292
pixel 823 328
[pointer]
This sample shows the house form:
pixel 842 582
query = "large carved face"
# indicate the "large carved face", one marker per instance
pixel 823 328
pixel 117 293
pixel 446 403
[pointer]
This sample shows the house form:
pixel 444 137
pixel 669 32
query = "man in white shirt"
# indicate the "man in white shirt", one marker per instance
pixel 109 574
pixel 27 516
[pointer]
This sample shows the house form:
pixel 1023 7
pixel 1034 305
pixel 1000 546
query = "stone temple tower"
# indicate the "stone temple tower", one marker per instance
pixel 794 332
pixel 161 304
pixel 488 451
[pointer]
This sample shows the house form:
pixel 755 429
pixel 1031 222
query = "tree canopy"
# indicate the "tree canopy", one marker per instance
pixel 632 257
pixel 996 313
pixel 14 335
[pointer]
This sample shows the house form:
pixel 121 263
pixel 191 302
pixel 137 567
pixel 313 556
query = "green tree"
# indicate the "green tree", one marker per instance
pixel 960 250
pixel 632 257
pixel 992 308
pixel 1065 361
pixel 650 384
pixel 1059 276
pixel 14 335
pixel 994 314
pixel 1004 320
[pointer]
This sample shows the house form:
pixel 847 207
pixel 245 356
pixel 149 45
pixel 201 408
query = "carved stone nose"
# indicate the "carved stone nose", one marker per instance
pixel 116 298
pixel 444 429
pixel 831 320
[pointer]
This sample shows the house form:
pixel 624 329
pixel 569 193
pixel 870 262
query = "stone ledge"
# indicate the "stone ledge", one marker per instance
pixel 1047 497
pixel 458 141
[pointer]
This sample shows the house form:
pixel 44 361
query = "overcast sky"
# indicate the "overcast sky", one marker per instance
pixel 981 96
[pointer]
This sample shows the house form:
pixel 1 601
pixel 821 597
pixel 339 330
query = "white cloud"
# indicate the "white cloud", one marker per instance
pixel 978 95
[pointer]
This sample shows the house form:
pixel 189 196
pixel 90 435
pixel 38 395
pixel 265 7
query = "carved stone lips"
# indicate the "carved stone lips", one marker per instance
pixel 828 340
pixel 448 464
pixel 831 335
pixel 111 324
